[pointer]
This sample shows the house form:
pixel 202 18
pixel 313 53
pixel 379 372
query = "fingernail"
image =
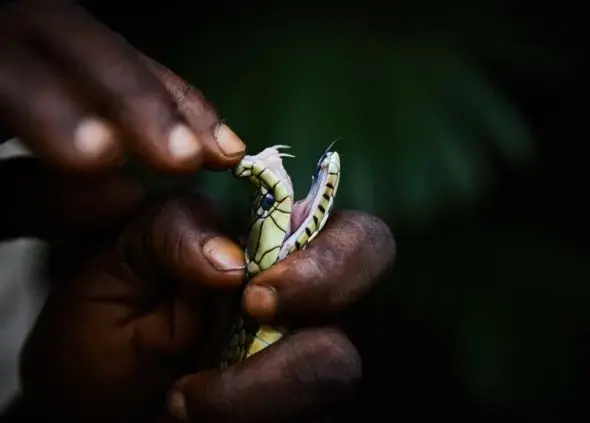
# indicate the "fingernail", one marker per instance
pixel 177 405
pixel 93 137
pixel 228 141
pixel 260 301
pixel 183 144
pixel 223 254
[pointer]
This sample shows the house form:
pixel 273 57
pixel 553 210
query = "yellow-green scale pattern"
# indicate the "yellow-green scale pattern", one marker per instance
pixel 270 226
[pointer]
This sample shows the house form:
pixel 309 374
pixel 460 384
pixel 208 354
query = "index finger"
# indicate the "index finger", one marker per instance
pixel 132 94
pixel 346 259
pixel 222 147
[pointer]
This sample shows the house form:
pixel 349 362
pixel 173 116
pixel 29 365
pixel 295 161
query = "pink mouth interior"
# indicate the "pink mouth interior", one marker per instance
pixel 300 212
pixel 303 208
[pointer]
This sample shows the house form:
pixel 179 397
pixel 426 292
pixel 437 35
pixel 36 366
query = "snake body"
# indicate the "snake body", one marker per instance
pixel 280 226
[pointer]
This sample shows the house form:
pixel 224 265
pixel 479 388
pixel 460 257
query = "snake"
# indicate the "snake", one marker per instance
pixel 280 226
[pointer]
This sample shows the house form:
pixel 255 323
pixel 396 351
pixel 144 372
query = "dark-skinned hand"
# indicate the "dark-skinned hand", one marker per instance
pixel 134 320
pixel 134 315
pixel 79 96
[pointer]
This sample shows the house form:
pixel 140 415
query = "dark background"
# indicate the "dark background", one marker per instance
pixel 462 126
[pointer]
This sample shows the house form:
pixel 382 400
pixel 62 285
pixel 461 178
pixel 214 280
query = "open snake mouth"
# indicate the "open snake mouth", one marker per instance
pixel 304 209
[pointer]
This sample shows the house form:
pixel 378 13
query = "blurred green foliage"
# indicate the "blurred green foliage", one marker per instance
pixel 416 118
pixel 509 300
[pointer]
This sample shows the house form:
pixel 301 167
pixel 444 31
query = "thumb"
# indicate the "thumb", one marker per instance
pixel 181 235
pixel 177 248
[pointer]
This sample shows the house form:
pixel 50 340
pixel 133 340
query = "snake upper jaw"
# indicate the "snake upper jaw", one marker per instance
pixel 271 160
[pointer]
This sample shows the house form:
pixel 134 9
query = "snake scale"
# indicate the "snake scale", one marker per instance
pixel 279 226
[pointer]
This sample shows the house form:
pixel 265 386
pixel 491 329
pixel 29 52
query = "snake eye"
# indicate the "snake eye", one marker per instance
pixel 267 201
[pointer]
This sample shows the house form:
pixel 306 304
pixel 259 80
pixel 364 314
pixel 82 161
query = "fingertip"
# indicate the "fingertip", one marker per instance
pixel 260 301
pixel 224 255
pixel 224 148
pixel 229 142
pixel 216 261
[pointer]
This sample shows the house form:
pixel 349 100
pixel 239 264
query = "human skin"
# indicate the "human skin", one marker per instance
pixel 132 321
pixel 114 342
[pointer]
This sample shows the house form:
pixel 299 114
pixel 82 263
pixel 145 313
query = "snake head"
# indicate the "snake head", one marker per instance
pixel 279 224
pixel 271 207
pixel 270 177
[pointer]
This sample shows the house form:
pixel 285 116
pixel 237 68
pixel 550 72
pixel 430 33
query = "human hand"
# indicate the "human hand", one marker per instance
pixel 145 308
pixel 81 98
